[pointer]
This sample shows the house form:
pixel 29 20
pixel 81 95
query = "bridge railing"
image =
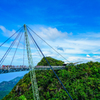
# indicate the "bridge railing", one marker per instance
pixel 16 69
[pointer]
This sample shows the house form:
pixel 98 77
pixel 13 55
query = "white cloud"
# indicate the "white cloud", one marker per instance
pixel 80 59
pixel 82 44
pixel 79 47
pixel 88 55
pixel 92 34
pixel 51 33
pixel 6 32
pixel 97 58
pixel 70 46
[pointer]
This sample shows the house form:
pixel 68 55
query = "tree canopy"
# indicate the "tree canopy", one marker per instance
pixel 52 61
pixel 82 81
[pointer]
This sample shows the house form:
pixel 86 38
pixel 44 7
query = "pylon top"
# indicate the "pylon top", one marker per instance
pixel 24 25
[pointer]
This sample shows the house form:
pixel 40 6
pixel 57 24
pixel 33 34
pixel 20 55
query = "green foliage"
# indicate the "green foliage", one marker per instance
pixel 81 81
pixel 7 86
pixel 52 61
pixel 22 97
pixel 3 93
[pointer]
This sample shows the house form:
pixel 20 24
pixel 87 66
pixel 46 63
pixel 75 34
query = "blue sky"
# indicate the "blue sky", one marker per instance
pixel 71 27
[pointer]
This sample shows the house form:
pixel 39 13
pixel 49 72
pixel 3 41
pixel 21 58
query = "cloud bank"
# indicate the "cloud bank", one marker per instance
pixel 80 48
pixel 6 32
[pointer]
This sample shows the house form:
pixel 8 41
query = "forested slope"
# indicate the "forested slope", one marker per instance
pixel 7 86
pixel 52 62
pixel 81 81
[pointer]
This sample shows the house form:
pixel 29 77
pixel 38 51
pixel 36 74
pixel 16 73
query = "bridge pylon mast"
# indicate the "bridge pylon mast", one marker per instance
pixel 31 67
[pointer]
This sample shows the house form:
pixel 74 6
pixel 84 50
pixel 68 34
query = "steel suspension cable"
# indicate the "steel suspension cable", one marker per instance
pixel 10 36
pixel 2 60
pixel 16 48
pixel 48 44
pixel 50 65
pixel 5 55
pixel 37 49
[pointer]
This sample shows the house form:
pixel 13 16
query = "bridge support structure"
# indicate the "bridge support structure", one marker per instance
pixel 31 67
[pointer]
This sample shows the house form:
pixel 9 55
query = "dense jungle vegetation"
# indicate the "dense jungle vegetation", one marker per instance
pixel 52 62
pixel 82 82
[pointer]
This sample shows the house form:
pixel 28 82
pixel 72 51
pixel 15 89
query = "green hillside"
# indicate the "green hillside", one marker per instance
pixel 3 93
pixel 7 86
pixel 52 62
pixel 81 81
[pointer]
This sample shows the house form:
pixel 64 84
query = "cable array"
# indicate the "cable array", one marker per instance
pixel 10 37
pixel 9 49
pixel 16 49
pixel 32 71
pixel 49 64
pixel 47 44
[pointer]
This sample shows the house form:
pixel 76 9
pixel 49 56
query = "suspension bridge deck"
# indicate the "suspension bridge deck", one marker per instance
pixel 8 70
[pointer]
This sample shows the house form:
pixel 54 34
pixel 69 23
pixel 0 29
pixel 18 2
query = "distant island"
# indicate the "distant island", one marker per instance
pixel 7 86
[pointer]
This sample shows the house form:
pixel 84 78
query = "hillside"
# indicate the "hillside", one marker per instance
pixel 52 62
pixel 7 86
pixel 81 81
